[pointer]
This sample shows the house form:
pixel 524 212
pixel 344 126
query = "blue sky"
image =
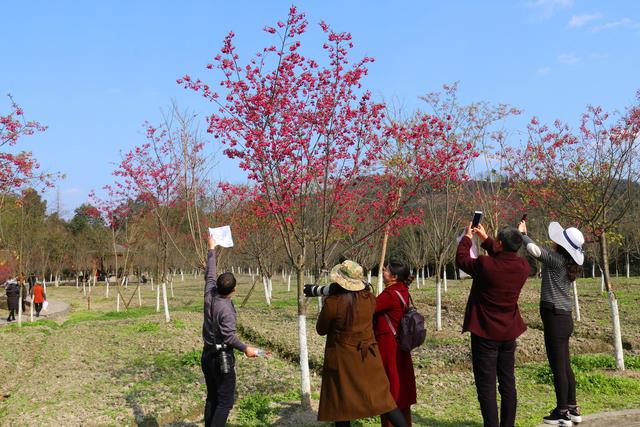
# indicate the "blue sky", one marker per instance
pixel 95 71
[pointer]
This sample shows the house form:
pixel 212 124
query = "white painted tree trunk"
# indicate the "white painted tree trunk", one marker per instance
pixel 289 283
pixel 44 285
pixel 617 334
pixel 57 281
pixel 627 266
pixel 444 277
pixel 118 302
pixel 576 302
pixel 139 298
pixel 270 283
pixel 319 304
pixel 77 284
pixel 305 379
pixel 151 282
pixel 20 306
pixel 593 270
pixel 438 304
pixel 50 277
pixel 157 299
pixel 84 290
pixel 166 304
pixel 171 287
pixel 369 277
pixel 602 286
pixel 266 290
pixel 31 310
pixel 106 293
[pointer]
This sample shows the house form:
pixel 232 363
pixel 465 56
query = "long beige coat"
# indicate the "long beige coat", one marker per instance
pixel 354 383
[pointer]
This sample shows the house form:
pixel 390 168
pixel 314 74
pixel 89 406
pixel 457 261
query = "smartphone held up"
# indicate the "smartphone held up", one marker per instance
pixel 477 216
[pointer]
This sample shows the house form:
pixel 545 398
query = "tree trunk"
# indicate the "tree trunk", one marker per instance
pixel 383 254
pixel 438 297
pixel 31 309
pixel 289 282
pixel 20 306
pixel 576 303
pixel 613 305
pixel 305 378
pixel 139 297
pixel 593 269
pixel 157 299
pixel 117 302
pixel 627 266
pixel 444 277
pixel 164 301
pixel 106 294
pixel 266 290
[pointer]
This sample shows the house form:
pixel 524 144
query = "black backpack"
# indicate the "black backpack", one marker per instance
pixel 411 332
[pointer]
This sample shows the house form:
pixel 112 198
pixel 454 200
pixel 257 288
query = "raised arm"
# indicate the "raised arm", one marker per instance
pixel 210 273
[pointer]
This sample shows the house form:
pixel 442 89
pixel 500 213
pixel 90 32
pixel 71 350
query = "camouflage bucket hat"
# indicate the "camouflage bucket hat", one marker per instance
pixel 349 275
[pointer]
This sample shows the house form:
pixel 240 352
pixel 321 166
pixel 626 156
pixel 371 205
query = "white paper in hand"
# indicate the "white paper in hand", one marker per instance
pixel 473 251
pixel 222 235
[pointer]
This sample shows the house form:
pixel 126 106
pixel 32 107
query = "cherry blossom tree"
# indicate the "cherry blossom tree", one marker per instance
pixel 18 170
pixel 311 141
pixel 585 178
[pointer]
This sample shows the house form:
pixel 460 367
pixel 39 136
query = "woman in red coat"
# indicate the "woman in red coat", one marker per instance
pixel 39 297
pixel 390 307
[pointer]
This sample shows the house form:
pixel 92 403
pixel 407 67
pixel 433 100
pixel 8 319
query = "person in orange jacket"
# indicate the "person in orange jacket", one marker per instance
pixel 39 297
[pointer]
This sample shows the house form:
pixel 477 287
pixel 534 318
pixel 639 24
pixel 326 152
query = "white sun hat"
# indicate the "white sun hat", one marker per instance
pixel 571 239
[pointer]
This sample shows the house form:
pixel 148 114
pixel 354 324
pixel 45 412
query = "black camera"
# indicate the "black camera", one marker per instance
pixel 319 291
pixel 223 358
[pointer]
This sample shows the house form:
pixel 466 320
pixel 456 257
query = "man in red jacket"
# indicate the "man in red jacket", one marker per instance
pixel 493 318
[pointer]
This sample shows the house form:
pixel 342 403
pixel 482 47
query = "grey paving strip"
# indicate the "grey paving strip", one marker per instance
pixel 628 418
pixel 55 310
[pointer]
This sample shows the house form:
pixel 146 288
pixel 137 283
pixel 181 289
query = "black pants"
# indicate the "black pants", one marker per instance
pixel 558 327
pixel 12 315
pixel 38 307
pixel 221 388
pixel 491 358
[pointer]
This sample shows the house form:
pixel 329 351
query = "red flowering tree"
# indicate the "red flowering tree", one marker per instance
pixel 585 178
pixel 309 137
pixel 154 174
pixel 18 170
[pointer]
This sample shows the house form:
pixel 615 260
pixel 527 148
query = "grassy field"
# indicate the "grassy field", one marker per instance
pixel 101 367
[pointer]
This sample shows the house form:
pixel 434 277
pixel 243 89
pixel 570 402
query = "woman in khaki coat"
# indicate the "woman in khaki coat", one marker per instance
pixel 354 383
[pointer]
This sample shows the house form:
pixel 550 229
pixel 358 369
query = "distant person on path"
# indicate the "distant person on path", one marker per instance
pixel 493 318
pixel 391 305
pixel 354 384
pixel 219 335
pixel 560 268
pixel 12 291
pixel 39 297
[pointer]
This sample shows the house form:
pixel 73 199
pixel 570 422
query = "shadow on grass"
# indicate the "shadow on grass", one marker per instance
pixel 141 419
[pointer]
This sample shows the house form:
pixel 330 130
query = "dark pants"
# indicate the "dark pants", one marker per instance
pixel 12 315
pixel 38 307
pixel 558 327
pixel 491 358
pixel 221 388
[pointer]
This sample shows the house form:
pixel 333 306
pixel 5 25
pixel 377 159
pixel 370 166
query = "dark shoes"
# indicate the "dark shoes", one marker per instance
pixel 559 418
pixel 574 414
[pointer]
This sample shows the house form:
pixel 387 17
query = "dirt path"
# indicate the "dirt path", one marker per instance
pixel 55 309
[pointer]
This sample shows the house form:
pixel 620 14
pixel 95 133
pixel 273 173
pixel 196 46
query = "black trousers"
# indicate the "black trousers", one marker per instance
pixel 558 327
pixel 221 388
pixel 490 359
pixel 38 307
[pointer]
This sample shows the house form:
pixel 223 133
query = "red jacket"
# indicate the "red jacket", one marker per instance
pixel 492 309
pixel 397 363
pixel 38 294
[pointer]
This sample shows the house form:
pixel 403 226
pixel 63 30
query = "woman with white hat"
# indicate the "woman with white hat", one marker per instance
pixel 354 383
pixel 560 267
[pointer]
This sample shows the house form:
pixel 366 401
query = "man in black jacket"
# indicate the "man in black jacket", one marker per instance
pixel 219 335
